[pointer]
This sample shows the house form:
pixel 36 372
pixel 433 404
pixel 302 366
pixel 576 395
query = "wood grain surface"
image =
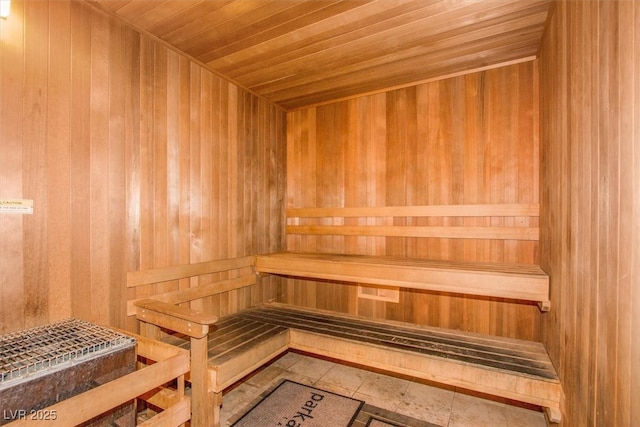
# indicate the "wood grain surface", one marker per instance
pixel 590 206
pixel 136 158
pixel 469 140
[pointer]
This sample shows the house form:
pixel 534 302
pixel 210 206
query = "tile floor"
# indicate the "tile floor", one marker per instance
pixel 442 407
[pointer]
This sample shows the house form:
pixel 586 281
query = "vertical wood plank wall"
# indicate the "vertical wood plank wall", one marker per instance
pixel 465 140
pixel 590 220
pixel 135 157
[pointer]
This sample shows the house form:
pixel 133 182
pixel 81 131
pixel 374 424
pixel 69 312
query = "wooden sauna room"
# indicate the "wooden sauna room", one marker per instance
pixel 330 171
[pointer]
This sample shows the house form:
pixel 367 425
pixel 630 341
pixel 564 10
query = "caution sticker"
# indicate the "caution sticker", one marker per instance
pixel 16 206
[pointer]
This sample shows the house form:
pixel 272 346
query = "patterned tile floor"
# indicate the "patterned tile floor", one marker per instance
pixel 438 406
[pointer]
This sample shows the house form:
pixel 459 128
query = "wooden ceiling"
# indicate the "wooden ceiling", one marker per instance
pixel 297 53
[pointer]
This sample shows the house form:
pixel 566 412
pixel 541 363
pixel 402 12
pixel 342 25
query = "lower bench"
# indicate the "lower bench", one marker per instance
pixel 508 368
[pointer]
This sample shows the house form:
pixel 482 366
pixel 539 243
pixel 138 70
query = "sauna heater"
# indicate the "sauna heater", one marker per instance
pixel 44 365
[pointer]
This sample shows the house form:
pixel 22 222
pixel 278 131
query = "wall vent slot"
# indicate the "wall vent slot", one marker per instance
pixel 380 293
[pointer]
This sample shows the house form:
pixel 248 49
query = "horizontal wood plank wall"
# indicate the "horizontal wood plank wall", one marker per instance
pixel 135 157
pixel 466 140
pixel 590 207
pixel 310 221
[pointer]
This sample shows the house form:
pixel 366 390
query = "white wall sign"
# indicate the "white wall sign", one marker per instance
pixel 16 206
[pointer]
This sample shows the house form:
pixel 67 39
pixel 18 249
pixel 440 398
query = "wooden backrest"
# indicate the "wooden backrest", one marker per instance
pixel 401 221
pixel 166 274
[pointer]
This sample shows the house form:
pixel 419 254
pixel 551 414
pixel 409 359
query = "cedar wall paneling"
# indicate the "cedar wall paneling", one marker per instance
pixel 465 140
pixel 590 220
pixel 135 158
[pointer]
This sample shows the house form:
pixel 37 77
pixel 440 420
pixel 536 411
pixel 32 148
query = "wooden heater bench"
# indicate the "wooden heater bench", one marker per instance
pixel 225 350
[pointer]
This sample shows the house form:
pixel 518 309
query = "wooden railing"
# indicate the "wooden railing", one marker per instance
pixel 298 221
pixel 162 310
pixel 158 364
pixel 166 274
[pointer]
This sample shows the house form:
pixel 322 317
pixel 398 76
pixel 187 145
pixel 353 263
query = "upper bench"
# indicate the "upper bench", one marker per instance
pixel 525 282
pixel 520 282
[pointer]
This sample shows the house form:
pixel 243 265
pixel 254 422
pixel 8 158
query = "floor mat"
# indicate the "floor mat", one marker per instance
pixel 370 416
pixel 293 404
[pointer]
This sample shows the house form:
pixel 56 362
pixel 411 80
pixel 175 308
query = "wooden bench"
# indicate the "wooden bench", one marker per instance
pixel 513 281
pixel 513 369
pixel 517 222
pixel 225 350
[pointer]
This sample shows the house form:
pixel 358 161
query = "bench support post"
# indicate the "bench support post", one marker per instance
pixel 202 400
pixel 217 405
pixel 544 306
pixel 554 415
